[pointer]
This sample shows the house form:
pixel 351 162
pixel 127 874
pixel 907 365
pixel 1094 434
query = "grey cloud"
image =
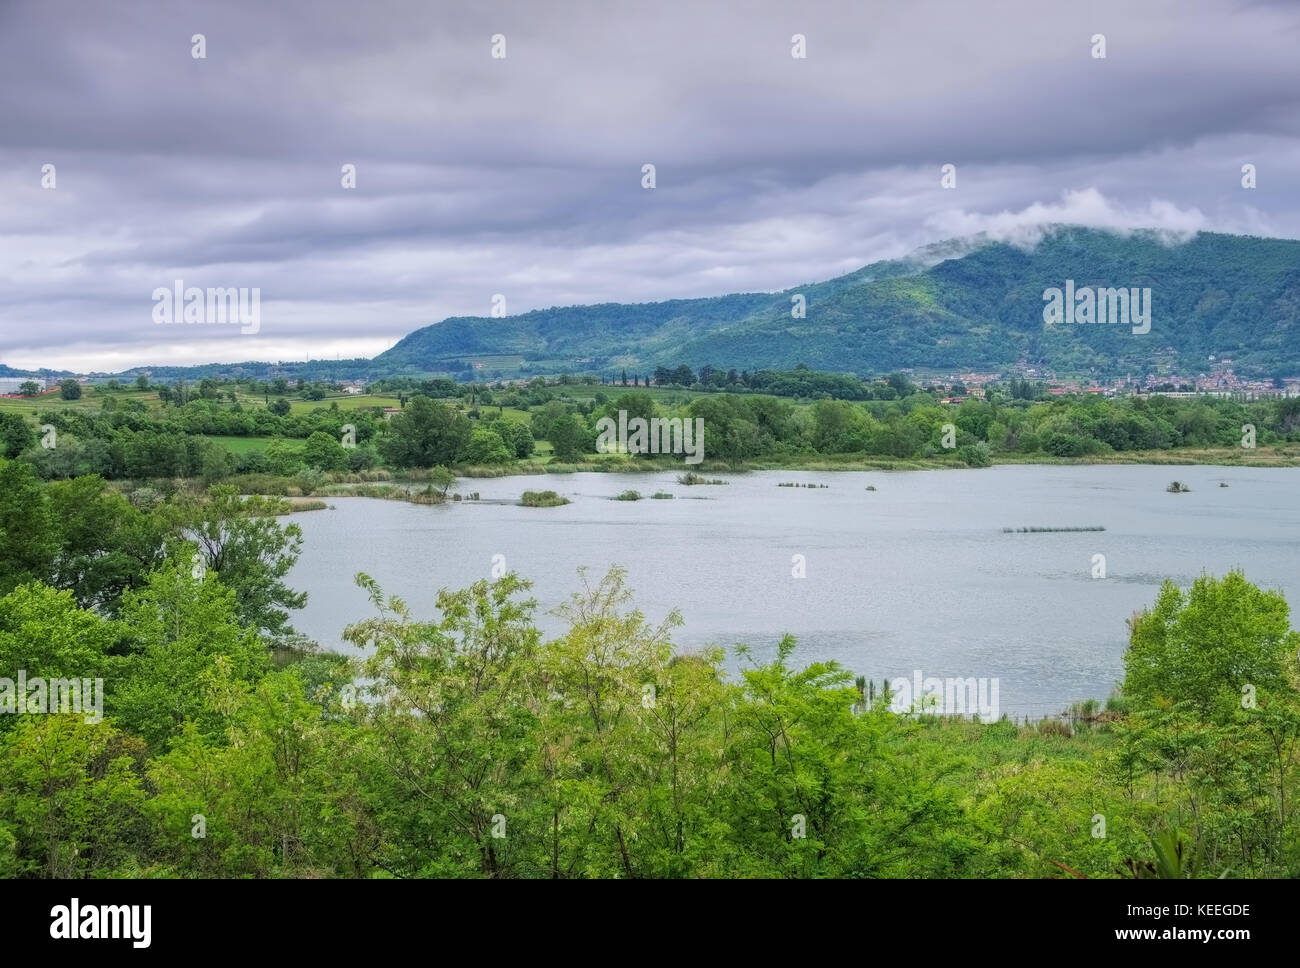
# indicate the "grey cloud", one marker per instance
pixel 522 176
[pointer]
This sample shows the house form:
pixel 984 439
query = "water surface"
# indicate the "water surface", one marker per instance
pixel 915 575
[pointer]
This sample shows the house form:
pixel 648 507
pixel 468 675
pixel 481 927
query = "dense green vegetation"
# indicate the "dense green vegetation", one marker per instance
pixel 966 305
pixel 472 746
pixel 169 438
pixel 542 499
pixel 741 428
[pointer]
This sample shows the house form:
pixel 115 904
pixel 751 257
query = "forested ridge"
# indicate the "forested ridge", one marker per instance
pixel 967 304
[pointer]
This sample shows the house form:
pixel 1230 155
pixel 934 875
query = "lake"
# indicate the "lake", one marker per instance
pixel 917 574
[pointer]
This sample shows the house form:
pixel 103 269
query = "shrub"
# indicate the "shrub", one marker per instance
pixel 309 480
pixel 542 499
pixel 486 447
pixel 975 455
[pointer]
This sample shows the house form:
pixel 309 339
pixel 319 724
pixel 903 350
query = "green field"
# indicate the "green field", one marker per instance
pixel 578 392
pixel 345 402
pixel 29 407
pixel 512 414
pixel 91 399
pixel 242 445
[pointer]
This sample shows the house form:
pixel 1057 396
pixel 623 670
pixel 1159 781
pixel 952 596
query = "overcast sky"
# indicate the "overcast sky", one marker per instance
pixel 523 176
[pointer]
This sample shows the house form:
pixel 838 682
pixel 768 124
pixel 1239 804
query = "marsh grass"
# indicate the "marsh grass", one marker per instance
pixel 542 499
pixel 1095 527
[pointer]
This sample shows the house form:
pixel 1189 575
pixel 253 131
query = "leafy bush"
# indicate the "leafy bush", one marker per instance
pixel 542 499
pixel 975 455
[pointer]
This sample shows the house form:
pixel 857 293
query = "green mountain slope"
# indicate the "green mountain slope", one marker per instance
pixel 969 304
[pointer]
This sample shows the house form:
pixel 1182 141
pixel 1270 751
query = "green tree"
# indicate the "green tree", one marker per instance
pixel 442 480
pixel 486 447
pixel 425 434
pixel 179 627
pixel 282 457
pixel 29 534
pixel 546 415
pixel 451 724
pixel 1205 645
pixel 566 438
pixel 16 435
pixel 816 791
pixel 636 404
pixel 73 797
pixel 325 452
pixel 244 543
pixel 596 772
pixel 70 389
pixel 280 798
pixel 106 545
pixel 45 633
pixel 516 435
pixel 839 427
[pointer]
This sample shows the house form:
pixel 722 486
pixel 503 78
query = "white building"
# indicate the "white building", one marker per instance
pixel 13 384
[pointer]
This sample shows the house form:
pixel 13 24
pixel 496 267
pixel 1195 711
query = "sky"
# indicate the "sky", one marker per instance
pixel 522 176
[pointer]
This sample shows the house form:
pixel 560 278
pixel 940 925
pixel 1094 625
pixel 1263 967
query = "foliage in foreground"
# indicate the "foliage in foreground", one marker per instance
pixel 470 746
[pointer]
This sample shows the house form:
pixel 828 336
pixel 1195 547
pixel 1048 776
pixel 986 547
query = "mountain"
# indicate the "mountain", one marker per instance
pixel 48 374
pixel 967 304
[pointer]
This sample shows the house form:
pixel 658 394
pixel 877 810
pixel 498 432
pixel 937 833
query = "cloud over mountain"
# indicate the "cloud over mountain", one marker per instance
pixel 522 176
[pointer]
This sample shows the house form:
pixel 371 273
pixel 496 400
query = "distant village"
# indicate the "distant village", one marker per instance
pixel 1220 381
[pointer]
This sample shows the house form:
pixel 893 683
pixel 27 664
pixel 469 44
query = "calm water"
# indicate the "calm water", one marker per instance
pixel 915 575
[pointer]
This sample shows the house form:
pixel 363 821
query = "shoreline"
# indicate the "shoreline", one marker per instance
pixel 414 489
pixel 1216 457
